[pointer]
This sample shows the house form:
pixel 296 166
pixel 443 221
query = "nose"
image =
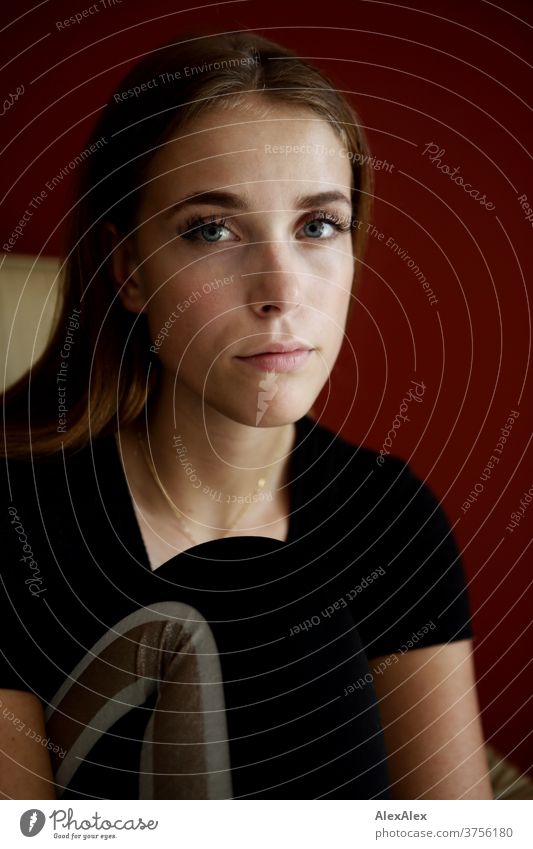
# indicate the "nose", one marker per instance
pixel 275 281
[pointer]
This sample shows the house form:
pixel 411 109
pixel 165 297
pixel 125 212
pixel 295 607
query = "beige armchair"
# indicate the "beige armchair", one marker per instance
pixel 28 293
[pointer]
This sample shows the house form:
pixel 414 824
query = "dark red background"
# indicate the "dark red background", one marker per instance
pixel 452 73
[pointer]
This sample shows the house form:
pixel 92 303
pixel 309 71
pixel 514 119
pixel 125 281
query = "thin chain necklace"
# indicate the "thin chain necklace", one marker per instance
pixel 177 512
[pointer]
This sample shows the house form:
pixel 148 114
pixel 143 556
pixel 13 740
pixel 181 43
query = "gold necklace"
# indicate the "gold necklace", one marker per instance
pixel 177 512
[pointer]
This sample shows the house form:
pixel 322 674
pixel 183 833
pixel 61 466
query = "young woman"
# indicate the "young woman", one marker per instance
pixel 208 594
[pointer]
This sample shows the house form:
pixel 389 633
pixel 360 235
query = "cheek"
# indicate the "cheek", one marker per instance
pixel 334 264
pixel 344 289
pixel 187 321
pixel 333 305
pixel 334 289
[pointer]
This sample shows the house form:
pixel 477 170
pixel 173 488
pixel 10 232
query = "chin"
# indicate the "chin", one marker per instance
pixel 274 413
pixel 273 400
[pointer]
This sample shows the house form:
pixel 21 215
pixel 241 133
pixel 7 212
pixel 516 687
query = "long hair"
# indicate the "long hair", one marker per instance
pixel 95 369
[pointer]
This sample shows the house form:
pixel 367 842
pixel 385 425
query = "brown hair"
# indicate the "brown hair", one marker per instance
pixel 109 372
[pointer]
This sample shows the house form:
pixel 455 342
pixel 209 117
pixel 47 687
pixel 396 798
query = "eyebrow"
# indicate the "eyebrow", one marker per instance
pixel 229 200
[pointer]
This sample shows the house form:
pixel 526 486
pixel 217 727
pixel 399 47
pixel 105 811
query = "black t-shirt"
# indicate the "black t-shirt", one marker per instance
pixel 240 668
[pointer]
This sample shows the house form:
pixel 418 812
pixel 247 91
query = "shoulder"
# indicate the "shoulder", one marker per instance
pixel 393 526
pixel 40 485
pixel 326 447
pixel 385 476
pixel 45 466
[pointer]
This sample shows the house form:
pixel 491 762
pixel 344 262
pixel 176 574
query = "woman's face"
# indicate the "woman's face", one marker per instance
pixel 260 253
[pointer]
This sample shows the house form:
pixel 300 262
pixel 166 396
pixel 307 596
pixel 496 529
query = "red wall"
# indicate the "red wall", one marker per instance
pixel 454 74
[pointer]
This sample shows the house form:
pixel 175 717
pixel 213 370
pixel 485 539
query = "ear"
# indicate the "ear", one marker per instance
pixel 124 269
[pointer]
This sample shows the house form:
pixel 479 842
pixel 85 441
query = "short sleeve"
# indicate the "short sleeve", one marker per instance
pixel 417 594
pixel 11 663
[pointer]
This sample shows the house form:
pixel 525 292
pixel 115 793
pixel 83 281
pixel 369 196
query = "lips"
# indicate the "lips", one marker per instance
pixel 277 348
pixel 280 361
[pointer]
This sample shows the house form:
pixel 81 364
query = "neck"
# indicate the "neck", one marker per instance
pixel 206 461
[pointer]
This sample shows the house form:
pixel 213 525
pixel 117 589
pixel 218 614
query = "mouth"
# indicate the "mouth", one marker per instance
pixel 281 361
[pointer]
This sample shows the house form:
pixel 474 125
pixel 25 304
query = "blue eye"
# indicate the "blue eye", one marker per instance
pixel 211 232
pixel 207 230
pixel 317 228
pixel 324 224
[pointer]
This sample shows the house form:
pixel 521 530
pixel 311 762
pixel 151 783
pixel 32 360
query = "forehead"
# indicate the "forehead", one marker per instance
pixel 261 150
